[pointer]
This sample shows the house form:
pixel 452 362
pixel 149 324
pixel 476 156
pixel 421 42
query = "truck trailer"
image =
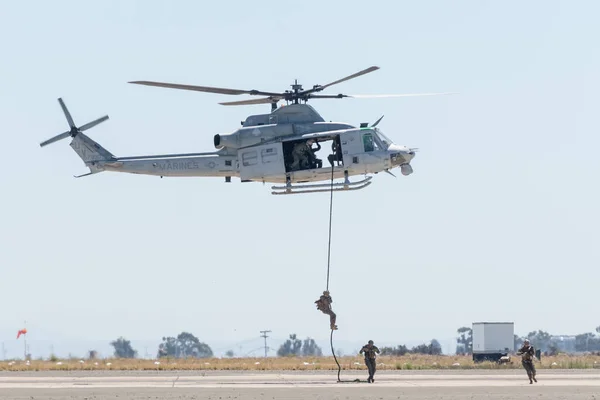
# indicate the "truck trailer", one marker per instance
pixel 492 340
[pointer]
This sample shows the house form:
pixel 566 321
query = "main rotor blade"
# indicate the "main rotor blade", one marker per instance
pixel 93 123
pixel 56 138
pixel 327 96
pixel 321 87
pixel 67 113
pixel 371 96
pixel 374 96
pixel 263 100
pixel 205 88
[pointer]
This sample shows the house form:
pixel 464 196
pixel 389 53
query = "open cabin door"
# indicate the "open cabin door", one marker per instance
pixel 352 147
pixel 261 162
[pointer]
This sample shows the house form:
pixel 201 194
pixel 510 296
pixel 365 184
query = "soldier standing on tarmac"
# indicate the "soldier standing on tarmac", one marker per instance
pixel 369 349
pixel 527 354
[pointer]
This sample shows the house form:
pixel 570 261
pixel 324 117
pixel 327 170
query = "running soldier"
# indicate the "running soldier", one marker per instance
pixel 324 305
pixel 527 354
pixel 369 349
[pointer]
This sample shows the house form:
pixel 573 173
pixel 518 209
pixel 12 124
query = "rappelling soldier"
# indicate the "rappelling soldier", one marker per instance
pixel 527 354
pixel 370 349
pixel 324 305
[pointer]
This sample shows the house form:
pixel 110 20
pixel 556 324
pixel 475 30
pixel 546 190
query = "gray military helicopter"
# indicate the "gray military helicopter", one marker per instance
pixel 274 147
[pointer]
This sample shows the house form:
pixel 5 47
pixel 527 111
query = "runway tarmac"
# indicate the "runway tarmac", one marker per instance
pixel 214 385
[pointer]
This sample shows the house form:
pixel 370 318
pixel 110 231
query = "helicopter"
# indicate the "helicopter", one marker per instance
pixel 274 147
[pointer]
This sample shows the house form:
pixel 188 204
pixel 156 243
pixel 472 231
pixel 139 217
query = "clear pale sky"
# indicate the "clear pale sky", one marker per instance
pixel 499 222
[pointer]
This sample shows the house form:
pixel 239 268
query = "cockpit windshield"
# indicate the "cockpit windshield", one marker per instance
pixel 385 142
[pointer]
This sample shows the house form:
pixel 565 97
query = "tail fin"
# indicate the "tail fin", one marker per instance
pixel 89 151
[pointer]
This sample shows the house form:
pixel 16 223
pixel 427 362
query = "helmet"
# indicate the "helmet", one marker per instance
pixel 370 342
pixel 326 292
pixel 526 341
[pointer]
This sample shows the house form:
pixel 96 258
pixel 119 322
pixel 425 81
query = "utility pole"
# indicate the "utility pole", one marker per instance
pixel 264 335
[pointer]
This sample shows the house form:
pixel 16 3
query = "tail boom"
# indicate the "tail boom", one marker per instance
pixel 200 166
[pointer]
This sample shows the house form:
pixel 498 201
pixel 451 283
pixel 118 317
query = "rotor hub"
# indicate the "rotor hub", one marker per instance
pixel 296 87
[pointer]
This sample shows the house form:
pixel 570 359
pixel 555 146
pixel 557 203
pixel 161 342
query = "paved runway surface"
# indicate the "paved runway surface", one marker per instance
pixel 214 385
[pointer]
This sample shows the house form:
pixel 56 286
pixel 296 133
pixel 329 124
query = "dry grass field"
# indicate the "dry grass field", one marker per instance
pixel 408 362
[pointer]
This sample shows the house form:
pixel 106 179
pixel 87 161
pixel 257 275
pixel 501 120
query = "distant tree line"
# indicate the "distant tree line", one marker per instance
pixel 296 347
pixel 123 348
pixel 464 341
pixel 551 345
pixel 185 345
pixel 432 348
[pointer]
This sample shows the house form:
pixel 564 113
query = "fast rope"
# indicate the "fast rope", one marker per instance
pixel 328 267
pixel 330 215
pixel 334 357
pixel 329 264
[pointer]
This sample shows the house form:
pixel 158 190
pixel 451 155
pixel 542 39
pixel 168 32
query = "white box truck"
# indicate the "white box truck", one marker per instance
pixel 492 340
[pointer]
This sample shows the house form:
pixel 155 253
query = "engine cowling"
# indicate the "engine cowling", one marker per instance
pixel 221 141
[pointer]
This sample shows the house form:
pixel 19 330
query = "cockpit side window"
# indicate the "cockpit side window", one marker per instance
pixel 368 142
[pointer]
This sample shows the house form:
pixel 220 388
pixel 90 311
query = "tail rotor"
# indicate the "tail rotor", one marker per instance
pixel 74 130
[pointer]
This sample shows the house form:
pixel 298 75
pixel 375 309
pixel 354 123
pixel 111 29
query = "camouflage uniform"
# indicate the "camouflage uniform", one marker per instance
pixel 370 350
pixel 324 305
pixel 301 156
pixel 527 353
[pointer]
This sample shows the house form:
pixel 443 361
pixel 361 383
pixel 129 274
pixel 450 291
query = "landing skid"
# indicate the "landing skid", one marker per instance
pixel 324 187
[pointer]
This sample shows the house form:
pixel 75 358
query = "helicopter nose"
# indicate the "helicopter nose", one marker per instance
pixel 400 155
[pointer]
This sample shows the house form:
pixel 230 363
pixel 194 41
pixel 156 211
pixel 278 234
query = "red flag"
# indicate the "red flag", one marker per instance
pixel 21 332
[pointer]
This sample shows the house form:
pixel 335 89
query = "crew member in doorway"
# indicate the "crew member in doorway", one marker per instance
pixel 370 349
pixel 301 156
pixel 336 153
pixel 527 354
pixel 314 161
pixel 324 305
